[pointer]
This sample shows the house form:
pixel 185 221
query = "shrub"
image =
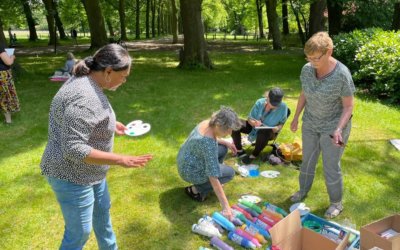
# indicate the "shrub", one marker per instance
pixel 347 44
pixel 379 64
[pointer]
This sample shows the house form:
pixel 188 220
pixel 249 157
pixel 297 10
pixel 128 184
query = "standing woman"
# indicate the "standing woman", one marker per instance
pixel 200 158
pixel 9 102
pixel 79 150
pixel 327 99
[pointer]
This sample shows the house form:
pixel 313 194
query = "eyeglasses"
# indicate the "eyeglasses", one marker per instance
pixel 315 59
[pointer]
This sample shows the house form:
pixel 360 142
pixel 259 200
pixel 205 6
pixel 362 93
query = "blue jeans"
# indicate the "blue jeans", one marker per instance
pixel 82 207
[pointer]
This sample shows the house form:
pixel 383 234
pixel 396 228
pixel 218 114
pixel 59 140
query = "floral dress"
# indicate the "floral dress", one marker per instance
pixel 9 102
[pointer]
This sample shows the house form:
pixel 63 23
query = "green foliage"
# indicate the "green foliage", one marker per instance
pixel 214 14
pixel 361 14
pixel 347 44
pixel 379 65
pixel 372 56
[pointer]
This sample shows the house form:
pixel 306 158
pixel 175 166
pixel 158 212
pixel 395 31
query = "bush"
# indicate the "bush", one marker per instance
pixel 380 65
pixel 372 55
pixel 347 44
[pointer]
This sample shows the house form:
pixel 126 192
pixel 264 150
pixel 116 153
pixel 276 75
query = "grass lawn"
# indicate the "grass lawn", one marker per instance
pixel 149 208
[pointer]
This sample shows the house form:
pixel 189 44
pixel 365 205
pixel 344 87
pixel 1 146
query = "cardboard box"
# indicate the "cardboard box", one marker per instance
pixel 288 234
pixel 370 234
pixel 332 230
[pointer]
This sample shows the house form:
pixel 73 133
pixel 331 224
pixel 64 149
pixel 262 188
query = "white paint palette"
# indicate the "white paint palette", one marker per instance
pixel 137 127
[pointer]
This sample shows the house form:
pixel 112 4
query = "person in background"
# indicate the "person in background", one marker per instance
pixel 327 98
pixel 9 102
pixel 267 111
pixel 69 64
pixel 77 156
pixel 200 158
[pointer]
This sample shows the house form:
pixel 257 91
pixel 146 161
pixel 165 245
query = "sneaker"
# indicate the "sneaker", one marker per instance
pixel 297 197
pixel 240 154
pixel 334 210
pixel 247 159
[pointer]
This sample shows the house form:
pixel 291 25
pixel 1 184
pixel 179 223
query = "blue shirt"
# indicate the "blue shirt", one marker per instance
pixel 272 118
pixel 198 158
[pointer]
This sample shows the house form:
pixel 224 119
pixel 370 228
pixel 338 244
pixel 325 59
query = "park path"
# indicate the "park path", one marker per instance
pixel 162 44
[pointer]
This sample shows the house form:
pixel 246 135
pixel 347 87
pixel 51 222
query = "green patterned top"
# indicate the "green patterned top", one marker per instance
pixel 323 106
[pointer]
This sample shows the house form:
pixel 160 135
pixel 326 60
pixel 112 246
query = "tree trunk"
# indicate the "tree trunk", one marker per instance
pixel 285 18
pixel 396 17
pixel 3 39
pixel 159 12
pixel 59 24
pixel 194 53
pixel 110 27
pixel 50 21
pixel 335 10
pixel 137 24
pixel 121 11
pixel 301 33
pixel 153 18
pixel 174 22
pixel 147 18
pixel 98 34
pixel 317 20
pixel 273 22
pixel 260 19
pixel 29 19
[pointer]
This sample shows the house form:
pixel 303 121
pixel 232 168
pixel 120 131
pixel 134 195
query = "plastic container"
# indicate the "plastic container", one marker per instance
pixel 332 231
pixel 219 244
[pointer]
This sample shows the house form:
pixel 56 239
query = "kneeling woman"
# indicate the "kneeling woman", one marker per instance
pixel 200 157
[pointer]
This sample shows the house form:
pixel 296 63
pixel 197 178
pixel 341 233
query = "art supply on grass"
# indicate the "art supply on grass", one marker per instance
pixel 222 221
pixel 252 206
pixel 272 207
pixel 254 232
pixel 249 210
pixel 248 236
pixel 205 230
pixel 240 240
pixel 219 244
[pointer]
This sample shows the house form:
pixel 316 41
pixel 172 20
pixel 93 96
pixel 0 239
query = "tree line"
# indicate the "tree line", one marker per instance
pixel 105 19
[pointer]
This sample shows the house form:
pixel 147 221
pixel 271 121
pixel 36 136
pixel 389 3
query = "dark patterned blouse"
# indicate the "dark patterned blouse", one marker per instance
pixel 81 119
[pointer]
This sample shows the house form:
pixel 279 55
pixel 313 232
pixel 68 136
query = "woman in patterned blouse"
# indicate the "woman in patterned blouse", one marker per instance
pixel 200 158
pixel 79 150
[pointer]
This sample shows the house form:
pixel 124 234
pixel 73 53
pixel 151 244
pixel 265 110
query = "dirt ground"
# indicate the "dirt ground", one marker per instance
pixel 163 44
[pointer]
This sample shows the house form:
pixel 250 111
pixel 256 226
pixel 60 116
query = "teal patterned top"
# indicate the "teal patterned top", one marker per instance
pixel 198 158
pixel 324 96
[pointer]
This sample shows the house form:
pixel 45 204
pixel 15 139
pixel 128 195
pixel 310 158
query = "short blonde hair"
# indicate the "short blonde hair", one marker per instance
pixel 319 42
